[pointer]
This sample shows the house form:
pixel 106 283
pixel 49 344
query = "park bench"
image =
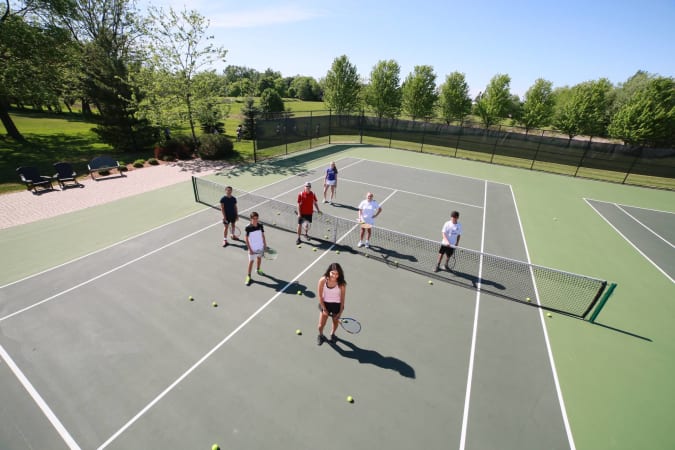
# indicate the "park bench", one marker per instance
pixel 104 164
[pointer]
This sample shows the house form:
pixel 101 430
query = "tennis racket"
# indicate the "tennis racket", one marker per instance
pixel 236 233
pixel 450 264
pixel 349 324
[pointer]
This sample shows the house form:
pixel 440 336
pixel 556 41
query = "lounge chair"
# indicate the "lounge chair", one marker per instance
pixel 65 174
pixel 103 164
pixel 30 176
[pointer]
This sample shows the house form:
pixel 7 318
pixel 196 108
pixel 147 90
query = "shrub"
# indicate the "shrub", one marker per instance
pixel 215 146
pixel 139 163
pixel 123 166
pixel 153 161
pixel 180 147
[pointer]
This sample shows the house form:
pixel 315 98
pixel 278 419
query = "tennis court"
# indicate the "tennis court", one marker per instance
pixel 105 349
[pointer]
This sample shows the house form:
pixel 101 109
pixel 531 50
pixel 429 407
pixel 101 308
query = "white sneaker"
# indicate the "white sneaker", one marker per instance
pixel 367 244
pixel 360 244
pixel 325 201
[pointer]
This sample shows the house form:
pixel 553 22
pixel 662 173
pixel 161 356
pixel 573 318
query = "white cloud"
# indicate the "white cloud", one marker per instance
pixel 263 17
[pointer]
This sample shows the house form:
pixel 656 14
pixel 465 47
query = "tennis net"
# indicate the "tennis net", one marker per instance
pixel 524 282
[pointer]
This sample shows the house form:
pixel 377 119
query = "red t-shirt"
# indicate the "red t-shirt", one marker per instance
pixel 306 201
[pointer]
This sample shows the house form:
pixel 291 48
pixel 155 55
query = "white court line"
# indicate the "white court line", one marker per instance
pixel 432 171
pixel 168 389
pixel 474 333
pixel 37 398
pixel 630 242
pixel 556 381
pixel 106 248
pixel 411 193
pixel 643 225
pixel 631 206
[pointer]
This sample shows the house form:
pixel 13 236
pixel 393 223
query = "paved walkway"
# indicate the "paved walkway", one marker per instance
pixel 18 208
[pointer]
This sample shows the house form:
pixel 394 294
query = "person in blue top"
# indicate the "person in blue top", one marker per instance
pixel 330 181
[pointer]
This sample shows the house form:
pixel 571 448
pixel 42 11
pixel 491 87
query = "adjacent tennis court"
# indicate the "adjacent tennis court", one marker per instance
pixel 156 342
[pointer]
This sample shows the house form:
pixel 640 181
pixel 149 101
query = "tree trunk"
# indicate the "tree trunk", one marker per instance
pixel 12 130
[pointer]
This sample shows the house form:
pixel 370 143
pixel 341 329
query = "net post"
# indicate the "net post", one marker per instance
pixel 194 188
pixel 602 302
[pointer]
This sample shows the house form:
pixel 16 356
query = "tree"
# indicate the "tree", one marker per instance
pixel 306 88
pixel 33 54
pixel 454 99
pixel 586 109
pixel 648 117
pixel 383 93
pixel 250 113
pixel 177 48
pixel 271 103
pixel 495 103
pixel 537 109
pixel 341 86
pixel 419 93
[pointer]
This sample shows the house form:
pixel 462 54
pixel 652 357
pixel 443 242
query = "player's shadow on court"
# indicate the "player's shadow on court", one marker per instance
pixel 473 279
pixel 364 356
pixel 343 206
pixel 275 283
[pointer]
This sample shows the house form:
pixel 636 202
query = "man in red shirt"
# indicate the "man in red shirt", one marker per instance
pixel 306 203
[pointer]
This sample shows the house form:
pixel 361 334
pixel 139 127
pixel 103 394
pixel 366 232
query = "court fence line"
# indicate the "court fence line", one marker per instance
pixel 552 289
pixel 533 149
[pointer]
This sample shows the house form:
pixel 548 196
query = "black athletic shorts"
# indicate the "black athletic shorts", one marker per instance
pixel 305 218
pixel 446 250
pixel 332 308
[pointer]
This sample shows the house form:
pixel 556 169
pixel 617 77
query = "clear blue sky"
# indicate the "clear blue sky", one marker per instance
pixel 565 42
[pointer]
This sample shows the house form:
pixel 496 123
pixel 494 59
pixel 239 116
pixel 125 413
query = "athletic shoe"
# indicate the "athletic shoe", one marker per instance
pixel 235 238
pixel 367 244
pixel 436 269
pixel 225 244
pixel 297 241
pixel 333 339
pixel 320 339
pixel 360 244
pixel 325 201
pixel 248 280
pixel 260 272
pixel 447 267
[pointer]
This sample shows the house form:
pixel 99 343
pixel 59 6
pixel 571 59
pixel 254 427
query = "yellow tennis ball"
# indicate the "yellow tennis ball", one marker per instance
pixel 214 304
pixel 337 252
pixel 527 299
pixel 350 399
pixel 431 282
pixel 325 236
pixel 215 447
pixel 191 298
pixel 314 249
pixel 299 292
pixel 298 331
pixel 549 315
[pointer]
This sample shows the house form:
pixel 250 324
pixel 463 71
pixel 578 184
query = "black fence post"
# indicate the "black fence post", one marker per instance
pixel 494 147
pixel 424 130
pixel 391 130
pixel 630 169
pixel 583 156
pixel 330 123
pixel 536 152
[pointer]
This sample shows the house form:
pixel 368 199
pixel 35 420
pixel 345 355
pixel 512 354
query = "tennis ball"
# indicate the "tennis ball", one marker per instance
pixel 314 249
pixel 325 236
pixel 215 447
pixel 431 282
pixel 549 315
pixel 214 304
pixel 278 213
pixel 527 299
pixel 367 256
pixel 298 331
pixel 299 292
pixel 350 399
pixel 191 298
pixel 337 252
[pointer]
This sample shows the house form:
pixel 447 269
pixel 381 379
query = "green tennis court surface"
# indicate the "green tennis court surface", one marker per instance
pixel 106 350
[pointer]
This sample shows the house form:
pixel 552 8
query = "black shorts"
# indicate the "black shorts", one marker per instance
pixel 332 308
pixel 304 218
pixel 446 250
pixel 229 219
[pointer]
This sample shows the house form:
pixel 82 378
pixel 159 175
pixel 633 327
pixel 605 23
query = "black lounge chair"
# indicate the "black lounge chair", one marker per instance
pixel 65 174
pixel 30 176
